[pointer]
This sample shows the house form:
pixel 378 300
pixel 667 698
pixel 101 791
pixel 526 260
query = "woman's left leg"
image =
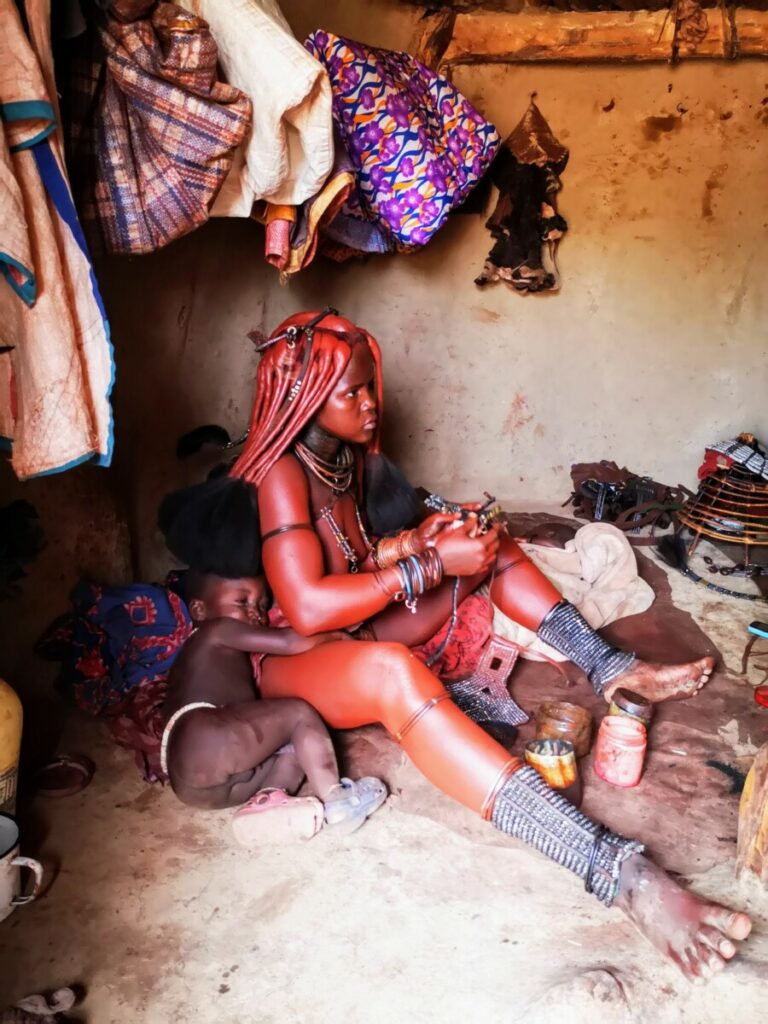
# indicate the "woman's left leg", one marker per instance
pixel 525 595
pixel 357 683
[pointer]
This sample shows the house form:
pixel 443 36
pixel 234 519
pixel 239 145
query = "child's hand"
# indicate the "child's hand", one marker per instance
pixel 332 637
pixel 300 644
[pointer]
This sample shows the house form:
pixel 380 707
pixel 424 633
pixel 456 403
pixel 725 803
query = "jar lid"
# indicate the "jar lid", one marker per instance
pixel 633 703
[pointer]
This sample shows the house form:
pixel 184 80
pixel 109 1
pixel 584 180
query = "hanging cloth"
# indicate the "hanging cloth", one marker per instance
pixel 418 145
pixel 287 155
pixel 156 131
pixel 56 367
pixel 526 224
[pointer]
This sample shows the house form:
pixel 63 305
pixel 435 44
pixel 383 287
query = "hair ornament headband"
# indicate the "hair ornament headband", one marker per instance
pixel 291 333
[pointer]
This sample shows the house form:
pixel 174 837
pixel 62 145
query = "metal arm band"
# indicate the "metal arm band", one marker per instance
pixel 528 809
pixel 287 529
pixel 565 629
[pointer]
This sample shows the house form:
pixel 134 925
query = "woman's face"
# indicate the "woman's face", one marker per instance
pixel 350 411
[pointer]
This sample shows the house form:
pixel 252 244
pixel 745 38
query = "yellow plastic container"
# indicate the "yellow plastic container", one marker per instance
pixel 10 745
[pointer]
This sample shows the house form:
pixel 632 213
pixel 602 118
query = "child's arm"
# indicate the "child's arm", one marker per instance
pixel 263 640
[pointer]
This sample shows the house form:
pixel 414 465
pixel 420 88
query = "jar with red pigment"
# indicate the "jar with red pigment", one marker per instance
pixel 620 750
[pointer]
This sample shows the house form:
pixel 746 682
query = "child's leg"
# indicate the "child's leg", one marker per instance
pixel 221 757
pixel 283 771
pixel 271 816
pixel 266 725
pixel 314 749
pixel 315 757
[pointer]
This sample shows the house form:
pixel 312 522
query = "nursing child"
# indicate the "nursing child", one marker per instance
pixel 223 747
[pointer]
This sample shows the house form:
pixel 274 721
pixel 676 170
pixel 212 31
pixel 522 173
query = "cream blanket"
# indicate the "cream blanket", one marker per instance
pixel 596 572
pixel 289 152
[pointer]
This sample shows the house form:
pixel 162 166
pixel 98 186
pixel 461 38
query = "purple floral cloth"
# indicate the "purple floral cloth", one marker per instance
pixel 418 145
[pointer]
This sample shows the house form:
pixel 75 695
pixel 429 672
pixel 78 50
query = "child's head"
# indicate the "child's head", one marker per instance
pixel 217 597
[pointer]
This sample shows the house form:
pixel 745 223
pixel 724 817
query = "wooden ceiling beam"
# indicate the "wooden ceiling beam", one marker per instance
pixel 593 37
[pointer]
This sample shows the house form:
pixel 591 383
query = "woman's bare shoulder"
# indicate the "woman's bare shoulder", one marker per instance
pixel 287 471
pixel 283 494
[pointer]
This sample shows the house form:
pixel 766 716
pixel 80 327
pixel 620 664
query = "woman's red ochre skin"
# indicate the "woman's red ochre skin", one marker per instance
pixel 351 684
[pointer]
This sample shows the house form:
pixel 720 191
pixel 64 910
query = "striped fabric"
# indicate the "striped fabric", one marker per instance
pixel 165 129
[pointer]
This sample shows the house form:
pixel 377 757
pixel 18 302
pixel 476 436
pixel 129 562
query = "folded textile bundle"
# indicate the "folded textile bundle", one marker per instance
pixel 418 145
pixel 116 648
pixel 293 232
pixel 156 131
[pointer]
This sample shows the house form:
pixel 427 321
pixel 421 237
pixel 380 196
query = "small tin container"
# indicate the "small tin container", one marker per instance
pixel 554 760
pixel 620 750
pixel 559 720
pixel 631 705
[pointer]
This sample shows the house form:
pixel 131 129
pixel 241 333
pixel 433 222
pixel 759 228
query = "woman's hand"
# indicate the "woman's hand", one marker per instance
pixel 465 552
pixel 427 532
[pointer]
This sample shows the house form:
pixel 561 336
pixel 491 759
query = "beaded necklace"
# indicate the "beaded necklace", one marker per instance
pixel 337 474
pixel 341 538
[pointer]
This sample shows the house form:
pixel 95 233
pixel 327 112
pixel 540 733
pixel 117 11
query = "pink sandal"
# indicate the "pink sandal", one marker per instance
pixel 273 817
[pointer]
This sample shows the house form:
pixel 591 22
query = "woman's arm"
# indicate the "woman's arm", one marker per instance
pixel 293 560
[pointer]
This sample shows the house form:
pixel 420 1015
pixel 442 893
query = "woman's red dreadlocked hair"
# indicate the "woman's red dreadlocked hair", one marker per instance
pixel 295 377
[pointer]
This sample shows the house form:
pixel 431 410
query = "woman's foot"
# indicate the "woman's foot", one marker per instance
pixel 349 803
pixel 663 682
pixel 699 937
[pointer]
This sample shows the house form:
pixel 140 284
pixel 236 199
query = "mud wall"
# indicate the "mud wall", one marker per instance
pixel 654 346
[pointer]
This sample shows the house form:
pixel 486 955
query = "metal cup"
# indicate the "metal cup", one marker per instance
pixel 10 864
pixel 554 760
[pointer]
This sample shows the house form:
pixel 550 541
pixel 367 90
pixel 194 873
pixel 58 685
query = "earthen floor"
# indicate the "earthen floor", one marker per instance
pixel 424 916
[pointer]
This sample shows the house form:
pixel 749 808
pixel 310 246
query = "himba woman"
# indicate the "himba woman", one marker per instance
pixel 323 493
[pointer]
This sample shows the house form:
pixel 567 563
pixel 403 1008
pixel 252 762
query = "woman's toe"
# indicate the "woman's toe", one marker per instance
pixel 732 924
pixel 714 939
pixel 713 961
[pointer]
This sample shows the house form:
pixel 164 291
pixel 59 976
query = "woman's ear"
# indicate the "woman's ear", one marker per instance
pixel 197 609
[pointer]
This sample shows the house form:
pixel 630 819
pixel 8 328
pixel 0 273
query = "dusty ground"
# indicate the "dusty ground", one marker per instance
pixel 426 915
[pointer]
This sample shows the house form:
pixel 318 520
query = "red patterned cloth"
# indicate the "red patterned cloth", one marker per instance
pixel 116 648
pixel 138 725
pixel 470 635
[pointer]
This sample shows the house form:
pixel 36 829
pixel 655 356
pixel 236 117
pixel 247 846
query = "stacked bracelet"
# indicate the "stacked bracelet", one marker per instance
pixel 419 573
pixel 390 550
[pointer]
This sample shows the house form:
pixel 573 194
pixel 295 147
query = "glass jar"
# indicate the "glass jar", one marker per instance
pixel 620 750
pixel 559 720
pixel 555 761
